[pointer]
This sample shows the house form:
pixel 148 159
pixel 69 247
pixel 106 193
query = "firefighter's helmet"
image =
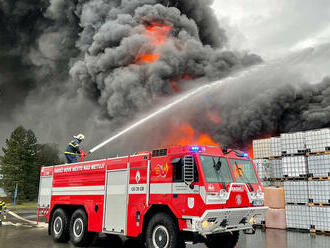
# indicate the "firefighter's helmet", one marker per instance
pixel 79 137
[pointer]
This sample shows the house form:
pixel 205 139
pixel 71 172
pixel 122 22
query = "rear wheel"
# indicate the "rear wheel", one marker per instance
pixel 163 232
pixel 60 226
pixel 223 240
pixel 79 234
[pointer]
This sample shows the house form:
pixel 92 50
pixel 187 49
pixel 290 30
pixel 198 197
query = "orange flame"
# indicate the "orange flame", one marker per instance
pixel 158 33
pixel 186 135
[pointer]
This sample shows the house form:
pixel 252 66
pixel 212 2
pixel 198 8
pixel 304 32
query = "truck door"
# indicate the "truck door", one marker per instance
pixel 115 214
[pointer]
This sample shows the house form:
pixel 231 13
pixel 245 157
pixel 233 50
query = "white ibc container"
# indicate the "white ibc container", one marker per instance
pixel 293 143
pixel 318 140
pixel 297 216
pixel 275 145
pixel 277 168
pixel 264 168
pixel 296 192
pixel 261 148
pixel 294 166
pixel 320 218
pixel 319 191
pixel 319 165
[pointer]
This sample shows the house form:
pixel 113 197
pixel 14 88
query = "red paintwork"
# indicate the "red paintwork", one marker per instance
pixel 94 173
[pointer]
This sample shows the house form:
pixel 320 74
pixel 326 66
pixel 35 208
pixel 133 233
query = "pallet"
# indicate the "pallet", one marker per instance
pixel 319 204
pixel 296 204
pixel 300 178
pixel 298 153
pixel 275 157
pixel 277 179
pixel 319 178
pixel 318 153
pixel 319 232
pixel 301 230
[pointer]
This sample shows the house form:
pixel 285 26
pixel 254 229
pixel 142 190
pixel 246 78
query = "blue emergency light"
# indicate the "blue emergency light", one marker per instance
pixel 245 155
pixel 195 148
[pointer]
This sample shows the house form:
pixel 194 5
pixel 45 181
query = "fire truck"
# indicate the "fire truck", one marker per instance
pixel 162 198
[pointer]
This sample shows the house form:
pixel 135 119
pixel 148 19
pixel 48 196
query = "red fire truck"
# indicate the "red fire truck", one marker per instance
pixel 164 197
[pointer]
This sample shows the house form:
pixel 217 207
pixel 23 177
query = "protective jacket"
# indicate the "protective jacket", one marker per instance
pixel 73 148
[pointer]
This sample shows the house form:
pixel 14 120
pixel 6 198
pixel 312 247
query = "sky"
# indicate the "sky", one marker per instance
pixel 272 28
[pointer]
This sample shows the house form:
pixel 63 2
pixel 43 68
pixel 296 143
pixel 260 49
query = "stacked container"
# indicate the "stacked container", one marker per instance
pixel 275 147
pixel 294 166
pixel 298 216
pixel 302 161
pixel 264 168
pixel 276 168
pixel 293 143
pixel 319 165
pixel 318 140
pixel 296 192
pixel 319 192
pixel 262 148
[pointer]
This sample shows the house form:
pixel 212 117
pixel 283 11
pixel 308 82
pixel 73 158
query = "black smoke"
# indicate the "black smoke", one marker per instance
pixel 69 66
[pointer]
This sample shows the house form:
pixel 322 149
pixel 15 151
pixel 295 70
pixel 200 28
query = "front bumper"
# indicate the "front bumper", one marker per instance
pixel 224 220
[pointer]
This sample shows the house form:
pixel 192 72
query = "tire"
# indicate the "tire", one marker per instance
pixel 59 227
pixel 79 234
pixel 163 232
pixel 223 240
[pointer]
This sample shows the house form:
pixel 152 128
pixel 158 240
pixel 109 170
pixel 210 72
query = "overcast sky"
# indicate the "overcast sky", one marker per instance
pixel 272 27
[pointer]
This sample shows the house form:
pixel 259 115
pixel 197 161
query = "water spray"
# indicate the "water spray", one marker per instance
pixel 170 105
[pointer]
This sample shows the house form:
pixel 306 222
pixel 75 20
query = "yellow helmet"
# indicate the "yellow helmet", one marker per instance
pixel 79 136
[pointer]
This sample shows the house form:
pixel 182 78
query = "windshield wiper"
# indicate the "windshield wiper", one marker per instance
pixel 217 167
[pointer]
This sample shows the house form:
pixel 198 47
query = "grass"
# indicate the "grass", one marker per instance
pixel 21 205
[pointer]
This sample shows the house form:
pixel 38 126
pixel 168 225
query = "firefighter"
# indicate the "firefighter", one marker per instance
pixel 73 149
pixel 3 210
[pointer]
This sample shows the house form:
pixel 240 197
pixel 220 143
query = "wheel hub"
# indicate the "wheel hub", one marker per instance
pixel 78 227
pixel 160 237
pixel 58 223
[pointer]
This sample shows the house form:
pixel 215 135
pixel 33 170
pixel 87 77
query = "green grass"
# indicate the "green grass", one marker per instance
pixel 21 205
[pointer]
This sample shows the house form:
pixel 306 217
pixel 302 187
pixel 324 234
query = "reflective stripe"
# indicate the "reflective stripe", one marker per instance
pixel 82 190
pixel 71 153
pixel 74 145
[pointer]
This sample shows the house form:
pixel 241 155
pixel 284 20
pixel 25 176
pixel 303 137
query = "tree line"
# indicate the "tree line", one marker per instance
pixel 21 161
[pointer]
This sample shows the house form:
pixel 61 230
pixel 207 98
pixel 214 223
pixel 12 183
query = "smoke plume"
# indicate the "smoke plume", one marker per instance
pixel 93 66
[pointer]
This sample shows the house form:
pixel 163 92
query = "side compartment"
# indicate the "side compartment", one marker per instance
pixel 115 213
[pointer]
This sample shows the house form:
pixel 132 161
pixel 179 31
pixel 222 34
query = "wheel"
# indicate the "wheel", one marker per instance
pixel 163 232
pixel 223 240
pixel 79 234
pixel 59 228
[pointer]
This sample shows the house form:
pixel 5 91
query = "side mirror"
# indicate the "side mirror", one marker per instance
pixel 188 170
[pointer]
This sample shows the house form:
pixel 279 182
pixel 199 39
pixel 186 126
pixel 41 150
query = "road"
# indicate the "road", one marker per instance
pixel 15 234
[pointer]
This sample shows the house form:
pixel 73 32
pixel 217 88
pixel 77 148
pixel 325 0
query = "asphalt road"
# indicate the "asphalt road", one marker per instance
pixel 15 234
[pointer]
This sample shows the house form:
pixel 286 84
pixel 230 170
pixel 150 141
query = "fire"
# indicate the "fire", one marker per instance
pixel 158 34
pixel 186 135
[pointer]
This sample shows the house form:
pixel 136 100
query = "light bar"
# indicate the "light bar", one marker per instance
pixel 195 148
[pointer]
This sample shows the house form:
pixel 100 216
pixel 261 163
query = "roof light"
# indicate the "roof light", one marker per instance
pixel 245 155
pixel 195 148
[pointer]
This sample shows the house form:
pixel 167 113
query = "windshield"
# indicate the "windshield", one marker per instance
pixel 243 171
pixel 216 169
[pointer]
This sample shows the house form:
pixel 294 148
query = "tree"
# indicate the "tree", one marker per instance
pixel 21 163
